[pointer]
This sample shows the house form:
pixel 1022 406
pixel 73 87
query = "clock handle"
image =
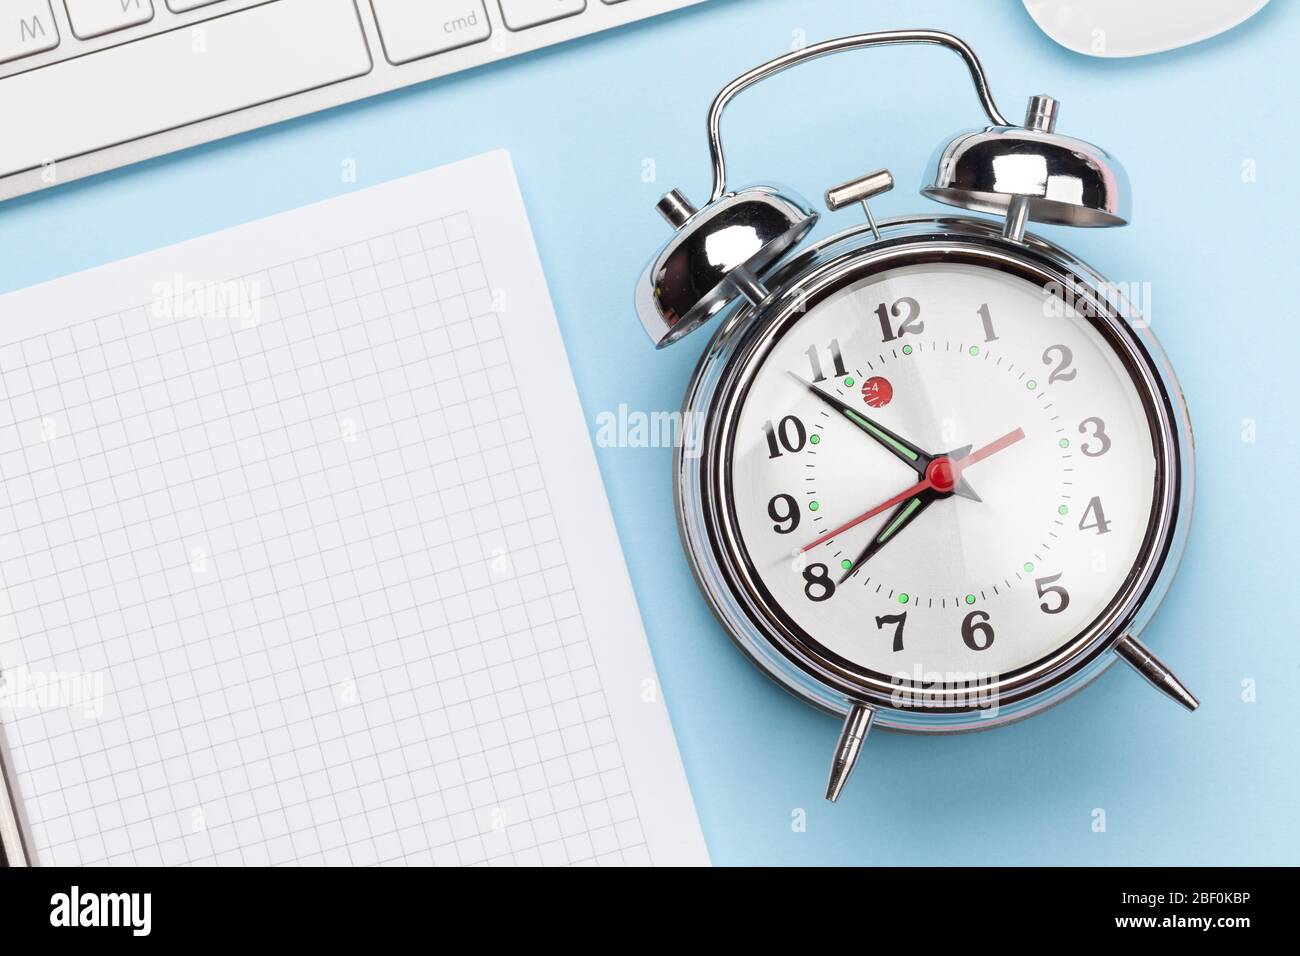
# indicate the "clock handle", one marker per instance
pixel 817 50
pixel 854 731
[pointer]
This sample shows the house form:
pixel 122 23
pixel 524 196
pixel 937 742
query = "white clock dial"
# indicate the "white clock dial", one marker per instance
pixel 939 473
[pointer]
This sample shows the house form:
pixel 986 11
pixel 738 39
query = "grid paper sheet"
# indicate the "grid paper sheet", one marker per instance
pixel 305 556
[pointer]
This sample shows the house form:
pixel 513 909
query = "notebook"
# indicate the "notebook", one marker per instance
pixel 305 558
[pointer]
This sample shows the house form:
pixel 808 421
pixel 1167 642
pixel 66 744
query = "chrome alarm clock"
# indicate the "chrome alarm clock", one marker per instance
pixel 941 472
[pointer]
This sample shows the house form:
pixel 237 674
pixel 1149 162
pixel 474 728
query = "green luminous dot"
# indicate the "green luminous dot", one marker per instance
pixel 846 564
pixel 816 439
pixel 903 599
pixel 848 382
pixel 974 350
pixel 813 506
pixel 1031 385
pixel 907 350
pixel 1064 510
pixel 1029 567
pixel 1065 443
pixel 970 599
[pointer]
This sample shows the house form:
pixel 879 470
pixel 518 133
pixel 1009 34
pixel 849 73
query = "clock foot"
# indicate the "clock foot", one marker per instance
pixel 1136 655
pixel 847 749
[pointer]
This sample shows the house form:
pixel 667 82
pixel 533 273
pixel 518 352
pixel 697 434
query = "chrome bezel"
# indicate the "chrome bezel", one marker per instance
pixel 706 518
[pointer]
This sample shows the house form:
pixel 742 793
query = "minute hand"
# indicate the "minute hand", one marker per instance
pixel 905 451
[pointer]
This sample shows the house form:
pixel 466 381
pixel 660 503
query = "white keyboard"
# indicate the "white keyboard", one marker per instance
pixel 88 85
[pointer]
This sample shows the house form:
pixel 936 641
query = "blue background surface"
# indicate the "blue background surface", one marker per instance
pixel 1220 786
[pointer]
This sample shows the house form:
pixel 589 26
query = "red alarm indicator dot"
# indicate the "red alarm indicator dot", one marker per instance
pixel 877 392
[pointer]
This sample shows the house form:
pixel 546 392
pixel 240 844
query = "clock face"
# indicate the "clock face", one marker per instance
pixel 941 474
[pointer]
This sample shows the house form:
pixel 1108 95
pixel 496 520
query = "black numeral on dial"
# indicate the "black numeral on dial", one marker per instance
pixel 1095 429
pixel 1094 517
pixel 837 360
pixel 897 621
pixel 986 317
pixel 976 631
pixel 1047 586
pixel 785 512
pixel 818 585
pixel 907 309
pixel 789 435
pixel 1062 358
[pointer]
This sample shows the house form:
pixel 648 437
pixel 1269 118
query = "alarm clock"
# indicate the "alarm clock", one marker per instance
pixel 940 472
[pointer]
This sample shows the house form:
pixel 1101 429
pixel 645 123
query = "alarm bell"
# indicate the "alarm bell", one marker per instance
pixel 1025 173
pixel 717 255
pixel 1031 172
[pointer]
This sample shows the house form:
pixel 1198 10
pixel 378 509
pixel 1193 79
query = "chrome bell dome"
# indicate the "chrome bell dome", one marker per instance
pixel 1053 178
pixel 717 254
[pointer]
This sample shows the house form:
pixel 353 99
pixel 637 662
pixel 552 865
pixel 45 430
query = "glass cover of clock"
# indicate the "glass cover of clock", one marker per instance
pixel 941 470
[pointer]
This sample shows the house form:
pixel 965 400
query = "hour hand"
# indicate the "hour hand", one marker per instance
pixel 912 455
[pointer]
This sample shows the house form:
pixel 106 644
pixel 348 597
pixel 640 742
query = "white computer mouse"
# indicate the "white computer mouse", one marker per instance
pixel 1116 28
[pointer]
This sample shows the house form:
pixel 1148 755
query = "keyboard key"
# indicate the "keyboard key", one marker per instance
pixel 180 6
pixel 92 18
pixel 182 76
pixel 522 14
pixel 26 27
pixel 412 29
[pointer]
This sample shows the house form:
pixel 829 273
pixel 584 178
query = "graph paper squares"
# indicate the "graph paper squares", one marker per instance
pixel 309 555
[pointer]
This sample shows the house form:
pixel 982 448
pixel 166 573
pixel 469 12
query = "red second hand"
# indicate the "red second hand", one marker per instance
pixel 992 448
pixel 899 498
